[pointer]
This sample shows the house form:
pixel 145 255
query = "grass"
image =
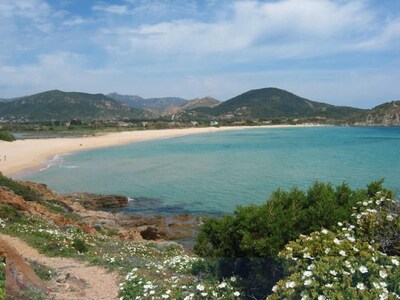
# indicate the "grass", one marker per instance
pixel 19 189
pixel 166 266
pixel 43 272
pixel 58 208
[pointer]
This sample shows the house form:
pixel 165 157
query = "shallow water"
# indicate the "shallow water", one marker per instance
pixel 213 173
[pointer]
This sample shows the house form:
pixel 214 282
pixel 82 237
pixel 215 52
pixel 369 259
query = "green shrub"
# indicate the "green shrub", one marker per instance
pixel 346 263
pixel 6 136
pixel 19 189
pixel 247 243
pixel 80 245
pixel 9 212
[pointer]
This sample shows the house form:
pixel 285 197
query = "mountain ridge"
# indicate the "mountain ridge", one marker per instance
pixel 59 105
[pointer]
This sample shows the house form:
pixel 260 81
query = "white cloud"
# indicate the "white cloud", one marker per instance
pixel 30 9
pixel 114 9
pixel 289 28
pixel 76 21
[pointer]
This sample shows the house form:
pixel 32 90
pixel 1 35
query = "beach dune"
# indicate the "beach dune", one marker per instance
pixel 23 155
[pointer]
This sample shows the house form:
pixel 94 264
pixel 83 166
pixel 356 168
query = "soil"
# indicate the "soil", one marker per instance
pixel 74 279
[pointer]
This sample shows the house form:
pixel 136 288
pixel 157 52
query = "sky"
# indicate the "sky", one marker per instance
pixel 334 51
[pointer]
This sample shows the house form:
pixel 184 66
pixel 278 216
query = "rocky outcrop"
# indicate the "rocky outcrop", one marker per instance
pixel 84 210
pixel 95 201
pixel 387 114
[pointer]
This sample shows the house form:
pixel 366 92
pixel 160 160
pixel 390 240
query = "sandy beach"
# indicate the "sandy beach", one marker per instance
pixel 23 155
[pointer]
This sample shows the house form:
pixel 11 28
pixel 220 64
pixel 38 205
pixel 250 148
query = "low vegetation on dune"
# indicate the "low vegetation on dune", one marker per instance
pixel 6 136
pixel 325 243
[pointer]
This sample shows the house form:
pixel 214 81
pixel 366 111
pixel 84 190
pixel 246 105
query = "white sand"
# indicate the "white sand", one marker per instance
pixel 23 155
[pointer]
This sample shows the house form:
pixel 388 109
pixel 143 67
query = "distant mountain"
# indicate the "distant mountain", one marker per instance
pixel 387 114
pixel 192 104
pixel 60 105
pixel 156 106
pixel 270 103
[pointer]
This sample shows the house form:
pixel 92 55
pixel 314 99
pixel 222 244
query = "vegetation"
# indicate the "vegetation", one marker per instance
pixel 386 114
pixel 327 242
pixel 346 263
pixel 6 136
pixel 247 243
pixel 2 279
pixel 19 189
pixel 43 272
pixel 65 106
pixel 276 103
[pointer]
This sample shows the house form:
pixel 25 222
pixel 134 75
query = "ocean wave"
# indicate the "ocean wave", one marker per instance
pixel 58 159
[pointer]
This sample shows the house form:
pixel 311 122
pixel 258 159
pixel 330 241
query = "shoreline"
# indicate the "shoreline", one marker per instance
pixel 31 154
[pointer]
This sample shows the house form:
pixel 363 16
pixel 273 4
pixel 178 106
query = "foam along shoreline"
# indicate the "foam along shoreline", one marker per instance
pixel 24 155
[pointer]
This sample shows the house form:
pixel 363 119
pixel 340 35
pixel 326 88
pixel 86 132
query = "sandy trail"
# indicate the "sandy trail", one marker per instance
pixel 83 282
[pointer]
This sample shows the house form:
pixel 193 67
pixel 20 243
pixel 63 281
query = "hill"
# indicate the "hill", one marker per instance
pixel 387 114
pixel 193 104
pixel 156 106
pixel 269 103
pixel 58 105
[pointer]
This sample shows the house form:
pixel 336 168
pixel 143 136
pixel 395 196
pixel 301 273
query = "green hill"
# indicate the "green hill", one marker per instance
pixel 386 114
pixel 58 105
pixel 269 103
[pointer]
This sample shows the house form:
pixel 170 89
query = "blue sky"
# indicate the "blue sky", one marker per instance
pixel 336 51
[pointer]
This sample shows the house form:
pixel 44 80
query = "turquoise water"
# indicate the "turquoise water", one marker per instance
pixel 215 172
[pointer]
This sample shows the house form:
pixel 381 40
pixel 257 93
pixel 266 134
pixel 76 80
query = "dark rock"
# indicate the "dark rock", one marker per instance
pixel 94 201
pixel 152 233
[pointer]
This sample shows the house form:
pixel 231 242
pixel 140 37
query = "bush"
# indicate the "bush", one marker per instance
pixel 6 136
pixel 247 243
pixel 80 245
pixel 346 263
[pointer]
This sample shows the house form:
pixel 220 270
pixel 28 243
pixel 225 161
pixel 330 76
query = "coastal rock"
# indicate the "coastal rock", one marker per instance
pixel 94 201
pixel 84 211
pixel 152 233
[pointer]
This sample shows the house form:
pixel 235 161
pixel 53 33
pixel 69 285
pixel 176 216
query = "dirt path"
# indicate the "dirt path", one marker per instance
pixel 75 280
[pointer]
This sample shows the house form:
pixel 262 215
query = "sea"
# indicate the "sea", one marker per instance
pixel 213 173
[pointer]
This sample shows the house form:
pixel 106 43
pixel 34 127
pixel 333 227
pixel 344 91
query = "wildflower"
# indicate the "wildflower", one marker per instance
pixel 342 253
pixel 204 294
pixel 360 286
pixel 337 241
pixel 164 296
pixel 382 273
pixel 351 239
pixel 389 217
pixel 236 294
pixel 307 273
pixel 327 250
pixel 321 297
pixel 324 231
pixel 329 285
pixel 340 224
pixel 395 261
pixel 222 285
pixel 275 288
pixel 333 272
pixel 308 282
pixel 290 284
pixel 200 287
pixel 363 269
pixel 233 278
